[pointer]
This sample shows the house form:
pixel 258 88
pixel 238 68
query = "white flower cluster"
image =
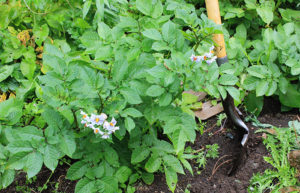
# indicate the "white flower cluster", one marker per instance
pixel 96 121
pixel 208 57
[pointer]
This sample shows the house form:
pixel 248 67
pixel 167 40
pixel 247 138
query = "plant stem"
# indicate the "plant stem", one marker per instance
pixel 101 103
pixel 75 118
pixel 43 188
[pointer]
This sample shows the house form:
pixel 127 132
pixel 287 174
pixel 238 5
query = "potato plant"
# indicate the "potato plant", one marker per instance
pixel 119 66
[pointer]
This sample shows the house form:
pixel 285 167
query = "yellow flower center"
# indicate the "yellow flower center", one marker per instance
pixel 194 58
pixel 111 124
pixel 85 125
pixel 84 116
pixel 205 57
pixel 96 131
pixel 97 120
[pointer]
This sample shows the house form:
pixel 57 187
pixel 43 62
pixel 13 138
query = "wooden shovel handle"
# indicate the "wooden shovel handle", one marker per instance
pixel 213 12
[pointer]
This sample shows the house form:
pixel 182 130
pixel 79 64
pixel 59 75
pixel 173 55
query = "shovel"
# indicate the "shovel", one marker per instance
pixel 213 12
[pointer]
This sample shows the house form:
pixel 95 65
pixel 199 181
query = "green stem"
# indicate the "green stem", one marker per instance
pixel 43 188
pixel 75 118
pixel 101 103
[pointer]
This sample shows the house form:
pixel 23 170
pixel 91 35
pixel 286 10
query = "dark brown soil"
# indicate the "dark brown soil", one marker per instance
pixel 57 183
pixel 251 161
pixel 212 180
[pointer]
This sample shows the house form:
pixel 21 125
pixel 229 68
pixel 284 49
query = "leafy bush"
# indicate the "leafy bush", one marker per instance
pixel 265 48
pixel 131 61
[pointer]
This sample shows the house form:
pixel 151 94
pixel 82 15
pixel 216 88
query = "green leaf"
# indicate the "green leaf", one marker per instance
pixel 169 31
pixel 131 95
pixel 123 174
pixel 153 164
pixel 33 164
pixel 272 88
pixel 52 50
pixel 11 110
pixel 129 124
pixel 119 70
pixel 104 31
pixel 5 72
pixel 111 156
pixel 258 71
pixel 171 178
pixel 40 33
pixel 152 34
pixel 77 170
pixel 291 97
pixel 132 112
pixel 157 9
pixel 289 28
pixel 86 8
pixel 228 79
pixel 253 103
pixel 108 184
pixel 19 146
pixel 7 178
pixel 147 178
pixel 67 113
pixel 241 32
pixel 85 185
pixel 159 46
pixel 103 53
pixel 187 165
pixel 155 91
pixel 283 84
pixel 29 133
pixel 234 92
pixel 17 161
pixel 165 99
pixel 266 13
pixel 262 88
pixel 67 144
pixel 51 157
pixel 291 62
pixel 250 82
pixel 188 98
pixel 174 163
pixel 144 6
pixel 296 69
pixel 139 154
pixel 222 91
pixel 251 4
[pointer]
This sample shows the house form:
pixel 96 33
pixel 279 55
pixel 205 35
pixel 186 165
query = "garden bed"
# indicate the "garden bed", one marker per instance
pixel 204 182
pixel 252 161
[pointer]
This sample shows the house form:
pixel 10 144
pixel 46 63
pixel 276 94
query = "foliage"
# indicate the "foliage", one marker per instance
pixel 124 59
pixel 279 146
pixel 264 45
pixel 131 61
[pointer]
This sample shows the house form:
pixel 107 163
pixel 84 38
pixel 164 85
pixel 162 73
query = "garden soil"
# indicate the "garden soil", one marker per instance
pixel 211 179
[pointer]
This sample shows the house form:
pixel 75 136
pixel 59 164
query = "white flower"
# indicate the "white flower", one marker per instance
pixel 211 60
pixel 105 136
pixel 110 126
pixel 211 49
pixel 84 115
pixel 115 129
pixel 195 58
pixel 208 55
pixel 96 130
pixel 98 119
